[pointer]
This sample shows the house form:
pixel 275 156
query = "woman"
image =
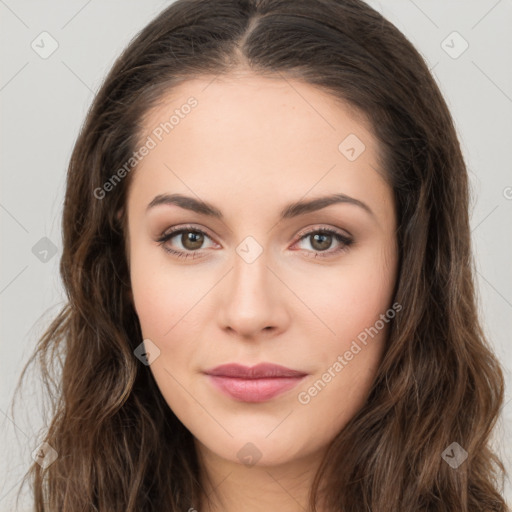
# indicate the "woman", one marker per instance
pixel 267 258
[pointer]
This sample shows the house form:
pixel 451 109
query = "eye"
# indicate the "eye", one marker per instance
pixel 190 238
pixel 322 239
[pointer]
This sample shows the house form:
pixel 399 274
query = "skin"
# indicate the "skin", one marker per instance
pixel 251 146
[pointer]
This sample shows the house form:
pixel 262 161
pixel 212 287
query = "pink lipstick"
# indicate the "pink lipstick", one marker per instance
pixel 254 384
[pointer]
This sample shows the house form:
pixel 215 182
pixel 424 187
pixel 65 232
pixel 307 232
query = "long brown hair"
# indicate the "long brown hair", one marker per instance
pixel 120 447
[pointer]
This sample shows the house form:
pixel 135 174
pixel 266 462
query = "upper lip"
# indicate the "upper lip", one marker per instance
pixel 260 371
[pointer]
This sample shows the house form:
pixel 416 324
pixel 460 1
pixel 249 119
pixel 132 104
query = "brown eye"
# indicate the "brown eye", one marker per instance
pixel 185 242
pixel 192 240
pixel 321 241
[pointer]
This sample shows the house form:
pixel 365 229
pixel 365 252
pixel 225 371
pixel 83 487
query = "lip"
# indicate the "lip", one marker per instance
pixel 254 384
pixel 261 370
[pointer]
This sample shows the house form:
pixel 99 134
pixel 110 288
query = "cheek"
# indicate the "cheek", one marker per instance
pixel 162 295
pixel 355 303
pixel 153 304
pixel 169 302
pixel 162 299
pixel 363 295
pixel 358 312
pixel 352 298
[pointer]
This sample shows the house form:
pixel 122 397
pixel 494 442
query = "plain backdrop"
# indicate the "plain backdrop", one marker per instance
pixel 44 99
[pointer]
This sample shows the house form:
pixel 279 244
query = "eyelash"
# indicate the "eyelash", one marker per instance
pixel 343 239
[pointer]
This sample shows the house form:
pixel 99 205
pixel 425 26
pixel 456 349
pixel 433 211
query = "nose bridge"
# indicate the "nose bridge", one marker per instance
pixel 252 300
pixel 250 277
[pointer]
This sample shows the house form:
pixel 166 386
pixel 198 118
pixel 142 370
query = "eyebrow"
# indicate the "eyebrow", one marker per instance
pixel 295 209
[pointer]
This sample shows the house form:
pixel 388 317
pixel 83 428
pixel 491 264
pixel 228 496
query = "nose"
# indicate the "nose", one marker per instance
pixel 253 300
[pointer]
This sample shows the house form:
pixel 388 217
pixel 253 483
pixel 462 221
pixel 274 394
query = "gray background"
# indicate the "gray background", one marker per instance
pixel 44 101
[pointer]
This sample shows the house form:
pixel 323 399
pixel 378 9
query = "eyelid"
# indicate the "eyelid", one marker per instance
pixel 184 227
pixel 176 230
pixel 345 238
pixel 306 231
pixel 323 227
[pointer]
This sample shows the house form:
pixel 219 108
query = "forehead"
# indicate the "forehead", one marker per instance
pixel 260 134
pixel 256 107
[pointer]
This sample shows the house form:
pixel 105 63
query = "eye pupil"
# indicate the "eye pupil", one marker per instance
pixel 192 240
pixel 324 239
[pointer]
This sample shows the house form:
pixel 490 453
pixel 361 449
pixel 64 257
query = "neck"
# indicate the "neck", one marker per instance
pixel 233 486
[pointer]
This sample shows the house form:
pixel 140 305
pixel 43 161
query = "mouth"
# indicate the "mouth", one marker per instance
pixel 254 384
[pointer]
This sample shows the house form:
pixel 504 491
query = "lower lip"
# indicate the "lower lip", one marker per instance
pixel 254 390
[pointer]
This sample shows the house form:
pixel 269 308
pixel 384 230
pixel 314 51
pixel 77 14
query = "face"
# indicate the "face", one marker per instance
pixel 248 267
